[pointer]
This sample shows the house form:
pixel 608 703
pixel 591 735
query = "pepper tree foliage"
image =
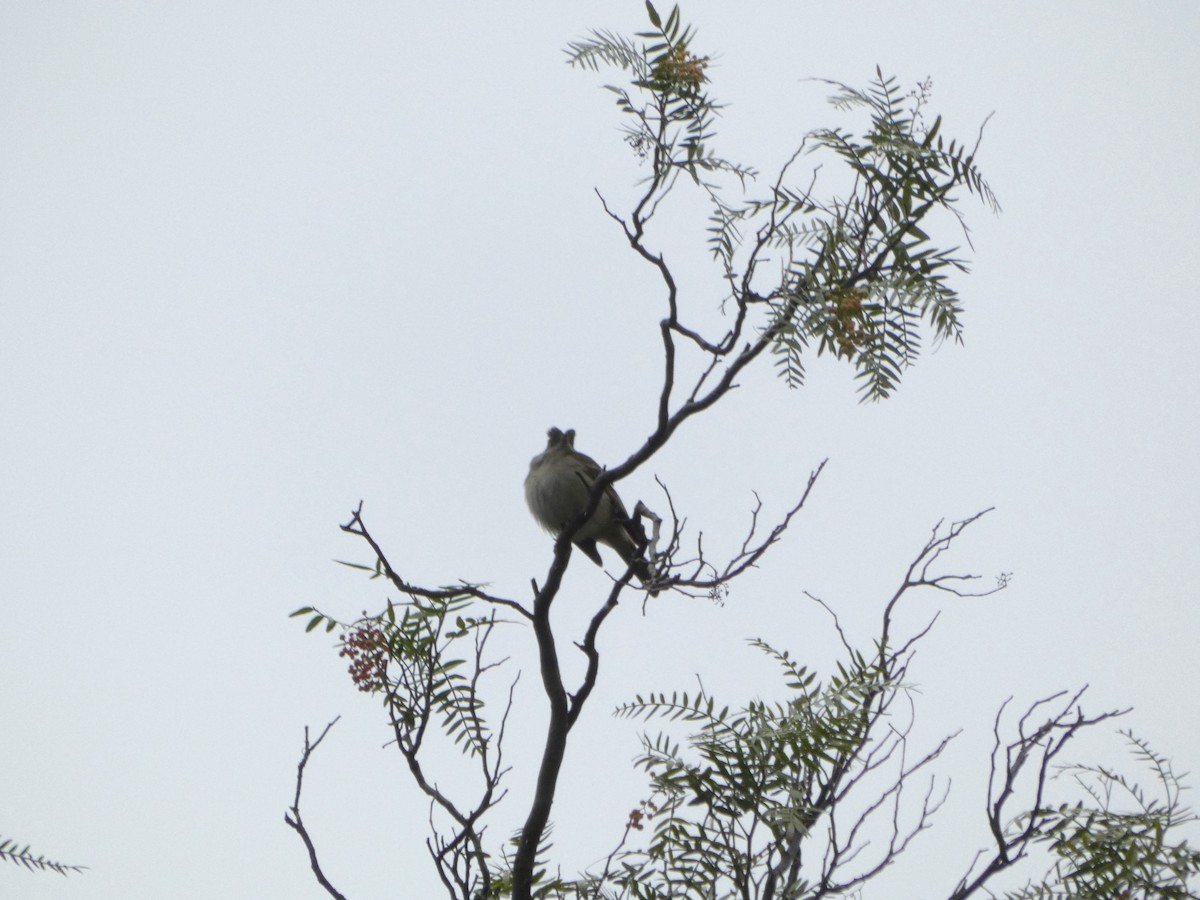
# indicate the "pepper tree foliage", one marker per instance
pixel 810 795
pixel 13 852
pixel 859 273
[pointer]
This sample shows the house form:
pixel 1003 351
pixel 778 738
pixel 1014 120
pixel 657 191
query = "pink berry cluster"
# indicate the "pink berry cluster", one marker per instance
pixel 366 648
pixel 637 816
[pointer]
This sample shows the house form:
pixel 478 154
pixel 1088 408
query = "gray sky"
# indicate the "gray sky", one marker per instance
pixel 261 261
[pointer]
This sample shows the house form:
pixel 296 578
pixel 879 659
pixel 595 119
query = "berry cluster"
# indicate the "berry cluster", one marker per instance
pixel 644 810
pixel 366 648
pixel 847 318
pixel 680 71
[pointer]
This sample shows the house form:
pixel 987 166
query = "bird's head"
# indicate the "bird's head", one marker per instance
pixel 559 438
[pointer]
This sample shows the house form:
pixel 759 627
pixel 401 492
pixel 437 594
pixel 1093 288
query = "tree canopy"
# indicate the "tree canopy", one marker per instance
pixel 809 795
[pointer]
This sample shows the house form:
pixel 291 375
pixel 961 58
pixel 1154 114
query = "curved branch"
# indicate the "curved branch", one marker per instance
pixel 559 724
pixel 750 554
pixel 296 822
pixel 589 649
pixel 357 527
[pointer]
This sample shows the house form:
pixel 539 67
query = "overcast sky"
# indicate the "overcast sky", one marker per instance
pixel 259 261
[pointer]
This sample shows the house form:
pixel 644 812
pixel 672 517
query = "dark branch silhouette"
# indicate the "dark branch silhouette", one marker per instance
pixel 296 821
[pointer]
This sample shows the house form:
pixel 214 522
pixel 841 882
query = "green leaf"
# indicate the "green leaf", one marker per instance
pixel 654 19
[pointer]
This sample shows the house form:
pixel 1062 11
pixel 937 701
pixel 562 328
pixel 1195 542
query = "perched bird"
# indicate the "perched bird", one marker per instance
pixel 557 489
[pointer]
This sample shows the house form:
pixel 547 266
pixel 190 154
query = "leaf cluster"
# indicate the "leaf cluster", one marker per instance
pixel 862 274
pixel 672 112
pixel 23 856
pixel 1120 841
pixel 748 784
pixel 410 655
pixel 859 276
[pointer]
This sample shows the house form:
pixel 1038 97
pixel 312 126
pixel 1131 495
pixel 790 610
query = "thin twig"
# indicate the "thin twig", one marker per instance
pixel 296 822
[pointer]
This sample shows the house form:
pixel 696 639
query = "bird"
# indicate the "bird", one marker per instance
pixel 557 487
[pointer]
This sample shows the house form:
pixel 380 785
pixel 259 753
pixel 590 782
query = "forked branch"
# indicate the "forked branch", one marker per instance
pixel 1021 768
pixel 296 822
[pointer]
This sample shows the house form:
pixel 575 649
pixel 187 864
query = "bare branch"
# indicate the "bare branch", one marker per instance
pixel 357 527
pixel 838 855
pixel 1037 744
pixel 589 648
pixel 296 822
pixel 750 552
pixel 918 572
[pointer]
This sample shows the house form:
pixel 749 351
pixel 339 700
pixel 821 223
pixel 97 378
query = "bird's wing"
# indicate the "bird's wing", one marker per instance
pixel 588 472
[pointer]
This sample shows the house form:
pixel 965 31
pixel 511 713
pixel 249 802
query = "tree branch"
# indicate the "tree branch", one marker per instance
pixel 357 527
pixel 1039 746
pixel 296 822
